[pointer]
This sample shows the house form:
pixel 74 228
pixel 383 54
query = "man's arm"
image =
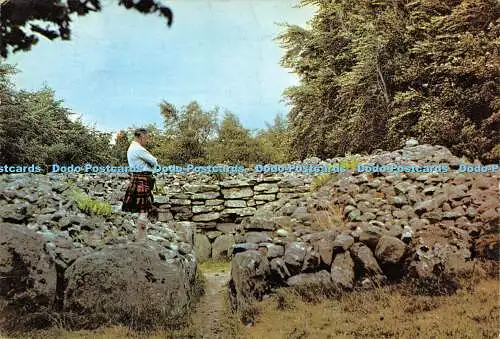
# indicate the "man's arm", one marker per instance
pixel 143 154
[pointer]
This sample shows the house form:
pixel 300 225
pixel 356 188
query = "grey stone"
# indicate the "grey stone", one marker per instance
pixel 264 197
pixel 237 193
pixel 181 202
pixel 145 281
pixel 203 248
pixel 257 237
pixel 222 246
pixel 28 274
pixel 273 250
pixel 342 243
pixel 368 263
pixel 279 271
pixel 321 278
pixel 236 183
pixel 235 203
pixel 282 233
pixel 206 216
pixel 205 196
pixel 342 271
pixel 214 202
pixel 411 143
pixel 325 249
pixel 294 256
pixel 247 211
pixel 200 188
pixel 242 247
pixel 227 227
pixel 311 260
pixel 390 250
pixel 213 234
pixel 250 272
pixel 207 209
pixel 266 188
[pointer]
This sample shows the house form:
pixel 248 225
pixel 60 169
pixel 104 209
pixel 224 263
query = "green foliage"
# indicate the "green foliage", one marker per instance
pixel 186 134
pixel 36 128
pixel 350 162
pixel 193 135
pixel 374 74
pixel 159 189
pixel 274 142
pixel 120 148
pixel 21 21
pixel 233 144
pixel 88 205
pixel 320 180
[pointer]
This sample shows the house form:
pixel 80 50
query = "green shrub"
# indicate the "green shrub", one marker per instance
pixel 159 189
pixel 349 162
pixel 320 180
pixel 89 205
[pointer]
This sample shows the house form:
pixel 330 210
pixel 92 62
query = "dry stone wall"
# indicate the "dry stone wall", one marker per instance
pixel 377 229
pixel 218 208
pixel 360 229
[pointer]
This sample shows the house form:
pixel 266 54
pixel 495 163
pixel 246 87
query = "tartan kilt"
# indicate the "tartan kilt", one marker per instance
pixel 139 195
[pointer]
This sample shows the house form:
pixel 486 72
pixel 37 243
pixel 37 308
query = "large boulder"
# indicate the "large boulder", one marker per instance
pixel 342 271
pixel 141 285
pixel 222 246
pixel 310 280
pixel 203 247
pixel 295 253
pixel 366 264
pixel 428 258
pixel 28 279
pixel 390 252
pixel 250 272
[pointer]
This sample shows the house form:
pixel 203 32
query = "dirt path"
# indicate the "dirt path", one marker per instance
pixel 209 315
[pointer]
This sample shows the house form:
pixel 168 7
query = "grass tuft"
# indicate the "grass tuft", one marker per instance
pixel 85 203
pixel 331 218
pixel 215 266
pixel 350 162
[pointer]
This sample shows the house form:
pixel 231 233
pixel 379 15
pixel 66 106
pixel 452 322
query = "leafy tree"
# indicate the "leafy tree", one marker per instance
pixel 274 141
pixel 36 128
pixel 234 144
pixel 21 27
pixel 376 73
pixel 186 134
pixel 120 148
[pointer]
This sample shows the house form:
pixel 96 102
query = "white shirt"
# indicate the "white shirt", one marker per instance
pixel 139 159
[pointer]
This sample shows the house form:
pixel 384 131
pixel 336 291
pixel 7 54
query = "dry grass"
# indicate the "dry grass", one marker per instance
pixel 331 218
pixel 215 266
pixel 321 180
pixel 383 313
pixel 386 312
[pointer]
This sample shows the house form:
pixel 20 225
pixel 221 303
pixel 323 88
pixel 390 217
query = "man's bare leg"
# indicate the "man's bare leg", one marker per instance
pixel 142 222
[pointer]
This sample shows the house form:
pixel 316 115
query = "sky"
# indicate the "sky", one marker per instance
pixel 120 64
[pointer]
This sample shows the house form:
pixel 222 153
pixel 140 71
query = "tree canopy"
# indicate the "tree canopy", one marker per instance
pixel 374 73
pixel 35 127
pixel 21 20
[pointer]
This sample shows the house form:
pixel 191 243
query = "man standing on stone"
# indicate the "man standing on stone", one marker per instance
pixel 139 197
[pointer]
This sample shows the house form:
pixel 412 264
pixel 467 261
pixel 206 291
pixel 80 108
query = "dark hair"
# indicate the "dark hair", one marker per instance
pixel 139 132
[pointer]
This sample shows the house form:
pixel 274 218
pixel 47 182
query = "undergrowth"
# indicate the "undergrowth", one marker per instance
pixel 350 162
pixel 85 203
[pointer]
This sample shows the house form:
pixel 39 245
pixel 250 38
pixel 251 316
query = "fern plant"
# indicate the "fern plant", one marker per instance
pixel 88 205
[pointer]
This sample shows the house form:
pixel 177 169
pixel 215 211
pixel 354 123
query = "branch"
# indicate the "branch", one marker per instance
pixel 381 77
